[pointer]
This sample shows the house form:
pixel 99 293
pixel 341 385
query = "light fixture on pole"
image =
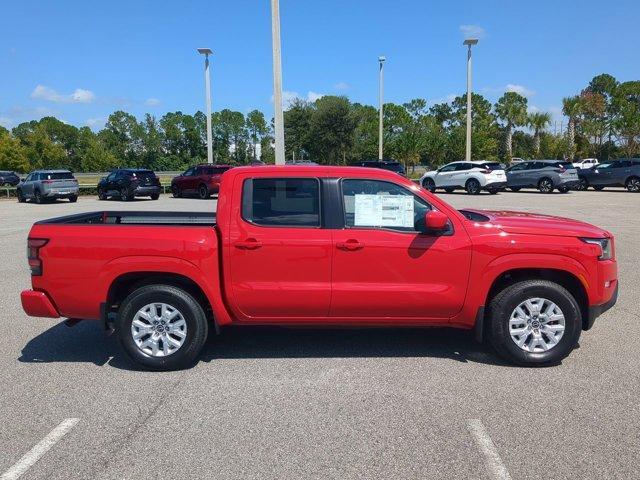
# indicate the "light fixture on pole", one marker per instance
pixel 207 85
pixel 381 60
pixel 277 82
pixel 469 42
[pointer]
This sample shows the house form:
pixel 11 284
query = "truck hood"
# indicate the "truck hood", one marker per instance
pixel 538 224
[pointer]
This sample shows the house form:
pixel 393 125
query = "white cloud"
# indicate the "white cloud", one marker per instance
pixel 95 122
pixel 313 96
pixel 342 86
pixel 79 95
pixel 519 89
pixel 446 99
pixel 473 31
pixel 152 102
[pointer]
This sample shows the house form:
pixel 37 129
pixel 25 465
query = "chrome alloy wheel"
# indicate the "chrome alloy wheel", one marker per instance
pixel 536 325
pixel 159 329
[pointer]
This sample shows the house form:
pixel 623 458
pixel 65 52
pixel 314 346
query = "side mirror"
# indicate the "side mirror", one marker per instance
pixel 435 221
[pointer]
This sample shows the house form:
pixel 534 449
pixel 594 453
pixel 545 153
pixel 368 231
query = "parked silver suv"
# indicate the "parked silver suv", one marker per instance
pixel 545 175
pixel 43 185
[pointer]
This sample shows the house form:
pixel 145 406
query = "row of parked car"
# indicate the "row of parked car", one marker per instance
pixel 544 175
pixel 122 183
pixel 473 177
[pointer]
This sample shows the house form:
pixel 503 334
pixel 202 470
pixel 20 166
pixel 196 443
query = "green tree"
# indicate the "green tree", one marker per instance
pixel 123 136
pixel 627 122
pixel 571 108
pixel 331 130
pixel 511 108
pixel 94 155
pixel 257 127
pixel 297 127
pixel 538 121
pixel 13 155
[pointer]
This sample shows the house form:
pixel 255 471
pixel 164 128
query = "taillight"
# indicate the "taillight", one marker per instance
pixel 33 254
pixel 485 171
pixel 560 170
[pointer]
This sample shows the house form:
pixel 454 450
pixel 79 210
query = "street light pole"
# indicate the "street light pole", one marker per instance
pixel 277 82
pixel 207 85
pixel 469 42
pixel 381 61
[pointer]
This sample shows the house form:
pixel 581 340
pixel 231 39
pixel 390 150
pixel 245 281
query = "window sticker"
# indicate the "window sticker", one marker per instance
pixel 383 211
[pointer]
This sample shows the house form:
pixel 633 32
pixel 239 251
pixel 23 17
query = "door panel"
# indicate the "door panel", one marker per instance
pixel 279 257
pixel 385 273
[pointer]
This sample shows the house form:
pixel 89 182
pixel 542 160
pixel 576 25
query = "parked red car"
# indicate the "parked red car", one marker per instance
pixel 201 180
pixel 323 246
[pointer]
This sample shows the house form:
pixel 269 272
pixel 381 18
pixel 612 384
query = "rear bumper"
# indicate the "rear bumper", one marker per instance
pixel 38 304
pixel 596 310
pixel 62 193
pixel 146 191
pixel 495 186
pixel 569 183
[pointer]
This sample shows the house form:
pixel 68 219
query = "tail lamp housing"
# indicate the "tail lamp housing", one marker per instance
pixel 33 254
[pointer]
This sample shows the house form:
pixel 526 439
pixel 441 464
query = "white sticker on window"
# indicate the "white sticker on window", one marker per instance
pixel 383 211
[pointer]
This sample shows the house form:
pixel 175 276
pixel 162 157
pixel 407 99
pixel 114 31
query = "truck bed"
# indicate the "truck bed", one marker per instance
pixel 135 218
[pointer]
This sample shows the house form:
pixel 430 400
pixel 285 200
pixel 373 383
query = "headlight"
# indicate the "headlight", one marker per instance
pixel 604 244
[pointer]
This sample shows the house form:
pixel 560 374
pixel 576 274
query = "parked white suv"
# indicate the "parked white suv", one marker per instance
pixel 585 163
pixel 473 176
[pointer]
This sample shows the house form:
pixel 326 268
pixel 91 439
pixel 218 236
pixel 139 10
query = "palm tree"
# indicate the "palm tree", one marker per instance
pixel 538 121
pixel 512 109
pixel 571 107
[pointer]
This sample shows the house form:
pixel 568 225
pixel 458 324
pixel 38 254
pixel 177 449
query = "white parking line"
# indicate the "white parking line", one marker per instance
pixel 33 455
pixel 488 449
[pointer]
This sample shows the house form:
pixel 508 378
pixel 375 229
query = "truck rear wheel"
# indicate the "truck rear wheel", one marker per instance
pixel 162 327
pixel 534 323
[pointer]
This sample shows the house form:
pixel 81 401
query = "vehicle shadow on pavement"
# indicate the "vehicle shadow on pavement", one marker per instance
pixel 276 342
pixel 87 343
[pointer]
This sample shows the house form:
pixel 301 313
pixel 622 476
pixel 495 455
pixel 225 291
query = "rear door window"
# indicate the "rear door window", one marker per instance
pixel 492 166
pixel 281 202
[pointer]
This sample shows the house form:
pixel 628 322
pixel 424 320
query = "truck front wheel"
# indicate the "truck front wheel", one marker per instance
pixel 162 327
pixel 534 323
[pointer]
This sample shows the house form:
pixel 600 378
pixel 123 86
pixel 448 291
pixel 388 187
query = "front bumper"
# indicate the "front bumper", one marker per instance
pixel 596 310
pixel 38 304
pixel 495 186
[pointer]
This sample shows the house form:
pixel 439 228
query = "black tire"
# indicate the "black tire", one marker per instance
pixel 506 301
pixel 21 198
pixel 429 184
pixel 125 195
pixel 633 184
pixel 449 189
pixel 598 188
pixel 545 185
pixel 492 191
pixel 155 196
pixel 73 198
pixel 563 189
pixel 37 196
pixel 472 186
pixel 102 195
pixel 583 185
pixel 203 192
pixel 194 316
pixel 514 189
pixel 175 190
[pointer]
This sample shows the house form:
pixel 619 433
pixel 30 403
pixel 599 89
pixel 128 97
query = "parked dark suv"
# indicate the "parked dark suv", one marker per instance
pixel 391 165
pixel 128 183
pixel 623 172
pixel 9 179
pixel 202 180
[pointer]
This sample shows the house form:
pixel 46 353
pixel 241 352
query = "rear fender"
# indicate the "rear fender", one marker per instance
pixel 208 283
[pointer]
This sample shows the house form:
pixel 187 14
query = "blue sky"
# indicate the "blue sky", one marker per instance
pixel 82 60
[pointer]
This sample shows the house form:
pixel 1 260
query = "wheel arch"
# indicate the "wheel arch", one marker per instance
pixel 128 282
pixel 564 278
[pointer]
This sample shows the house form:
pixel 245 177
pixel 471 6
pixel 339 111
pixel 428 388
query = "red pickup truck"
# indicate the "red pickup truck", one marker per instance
pixel 323 246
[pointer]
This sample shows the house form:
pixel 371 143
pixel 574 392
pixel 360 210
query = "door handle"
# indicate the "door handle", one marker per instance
pixel 350 245
pixel 249 244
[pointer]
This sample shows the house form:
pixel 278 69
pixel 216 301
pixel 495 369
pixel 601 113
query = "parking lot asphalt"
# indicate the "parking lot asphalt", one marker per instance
pixel 274 403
